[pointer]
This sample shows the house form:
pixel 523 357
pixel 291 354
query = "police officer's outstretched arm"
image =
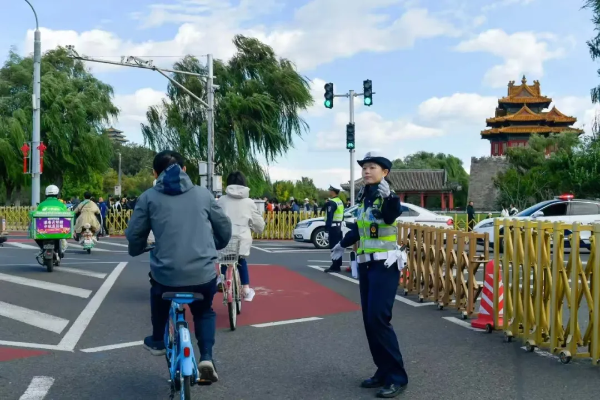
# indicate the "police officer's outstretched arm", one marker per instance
pixel 351 236
pixel 390 209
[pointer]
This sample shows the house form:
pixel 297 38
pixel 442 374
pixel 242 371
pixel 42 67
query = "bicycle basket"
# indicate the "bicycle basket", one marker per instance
pixel 231 252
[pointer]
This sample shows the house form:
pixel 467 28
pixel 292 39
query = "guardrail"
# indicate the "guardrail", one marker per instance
pixel 442 264
pixel 279 225
pixel 549 297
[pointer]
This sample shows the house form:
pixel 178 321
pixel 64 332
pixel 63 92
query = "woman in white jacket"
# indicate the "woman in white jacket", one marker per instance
pixel 245 218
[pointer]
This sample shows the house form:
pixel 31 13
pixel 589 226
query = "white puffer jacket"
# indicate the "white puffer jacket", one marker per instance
pixel 245 217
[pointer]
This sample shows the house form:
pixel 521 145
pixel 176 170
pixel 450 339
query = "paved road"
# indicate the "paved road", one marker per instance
pixel 62 323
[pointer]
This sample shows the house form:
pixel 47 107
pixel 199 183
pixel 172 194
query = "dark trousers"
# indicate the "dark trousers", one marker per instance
pixel 335 236
pixel 378 286
pixel 470 223
pixel 204 316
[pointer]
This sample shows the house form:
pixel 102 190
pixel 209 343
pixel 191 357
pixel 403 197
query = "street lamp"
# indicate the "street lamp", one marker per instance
pixel 35 139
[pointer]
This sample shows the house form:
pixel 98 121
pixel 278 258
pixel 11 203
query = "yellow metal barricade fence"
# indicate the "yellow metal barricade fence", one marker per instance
pixel 442 264
pixel 551 298
pixel 17 218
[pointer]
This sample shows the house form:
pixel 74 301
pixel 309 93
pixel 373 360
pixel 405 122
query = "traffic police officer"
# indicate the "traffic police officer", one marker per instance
pixel 333 224
pixel 378 272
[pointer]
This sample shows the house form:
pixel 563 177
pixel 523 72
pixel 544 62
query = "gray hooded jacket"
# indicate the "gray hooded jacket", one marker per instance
pixel 188 225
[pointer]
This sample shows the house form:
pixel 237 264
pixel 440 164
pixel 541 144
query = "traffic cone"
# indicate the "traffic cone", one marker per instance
pixel 485 319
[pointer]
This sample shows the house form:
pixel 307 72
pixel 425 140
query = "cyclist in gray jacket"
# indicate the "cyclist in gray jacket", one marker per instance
pixel 189 227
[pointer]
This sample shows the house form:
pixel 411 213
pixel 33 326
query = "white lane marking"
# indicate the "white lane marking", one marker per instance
pixel 113 244
pixel 112 347
pixel 462 323
pixel 81 272
pixel 398 297
pixel 30 345
pixel 69 341
pixel 289 321
pixel 80 247
pixel 33 318
pixel 61 263
pixel 53 287
pixel 261 249
pixel 38 388
pixel 321 261
pixel 543 353
pixel 22 245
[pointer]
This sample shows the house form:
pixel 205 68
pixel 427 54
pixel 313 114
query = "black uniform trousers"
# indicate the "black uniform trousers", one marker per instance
pixel 335 236
pixel 378 286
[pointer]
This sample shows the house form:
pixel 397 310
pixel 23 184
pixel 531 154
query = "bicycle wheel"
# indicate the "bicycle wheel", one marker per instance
pixel 238 294
pixel 232 307
pixel 186 392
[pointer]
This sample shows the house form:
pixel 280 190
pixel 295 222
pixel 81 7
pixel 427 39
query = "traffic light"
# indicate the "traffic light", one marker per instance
pixel 368 92
pixel 329 95
pixel 350 136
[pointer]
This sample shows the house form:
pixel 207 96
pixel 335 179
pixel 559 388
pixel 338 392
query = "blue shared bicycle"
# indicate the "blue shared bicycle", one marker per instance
pixel 183 368
pixel 181 361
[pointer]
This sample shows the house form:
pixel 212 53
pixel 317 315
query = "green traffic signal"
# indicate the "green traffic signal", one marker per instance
pixel 327 103
pixel 350 145
pixel 368 101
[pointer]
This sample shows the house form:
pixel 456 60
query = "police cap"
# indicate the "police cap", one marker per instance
pixel 332 189
pixel 377 158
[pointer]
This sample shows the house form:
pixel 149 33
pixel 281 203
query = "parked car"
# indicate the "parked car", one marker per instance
pixel 564 208
pixel 313 230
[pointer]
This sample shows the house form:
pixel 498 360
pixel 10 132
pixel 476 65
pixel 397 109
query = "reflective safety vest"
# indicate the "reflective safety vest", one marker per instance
pixel 338 215
pixel 387 234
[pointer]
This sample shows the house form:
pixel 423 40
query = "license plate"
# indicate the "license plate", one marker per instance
pixel 49 246
pixel 87 241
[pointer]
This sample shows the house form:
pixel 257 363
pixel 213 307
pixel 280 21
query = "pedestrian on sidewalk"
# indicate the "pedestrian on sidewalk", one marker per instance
pixel 378 272
pixel 333 225
pixel 470 217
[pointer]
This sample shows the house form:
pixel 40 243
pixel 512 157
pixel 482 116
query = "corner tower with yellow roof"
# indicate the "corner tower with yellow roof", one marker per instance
pixel 520 114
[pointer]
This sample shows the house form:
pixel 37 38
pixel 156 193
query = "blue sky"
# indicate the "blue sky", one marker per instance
pixel 437 66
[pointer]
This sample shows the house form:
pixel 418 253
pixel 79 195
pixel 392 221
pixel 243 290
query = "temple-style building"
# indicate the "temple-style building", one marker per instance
pixel 116 135
pixel 520 114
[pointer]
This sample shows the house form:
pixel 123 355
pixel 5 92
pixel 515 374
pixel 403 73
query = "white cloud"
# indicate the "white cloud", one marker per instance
pixel 373 132
pixel 505 3
pixel 133 109
pixel 207 26
pixel 321 177
pixel 522 52
pixel 458 110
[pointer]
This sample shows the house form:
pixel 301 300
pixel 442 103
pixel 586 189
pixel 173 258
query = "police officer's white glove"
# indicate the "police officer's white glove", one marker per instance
pixel 384 189
pixel 326 235
pixel 337 252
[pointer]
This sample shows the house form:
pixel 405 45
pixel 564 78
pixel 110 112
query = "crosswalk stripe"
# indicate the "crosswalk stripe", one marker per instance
pixel 33 318
pixel 53 287
pixel 80 247
pixel 83 272
pixel 38 388
pixel 22 245
pixel 113 244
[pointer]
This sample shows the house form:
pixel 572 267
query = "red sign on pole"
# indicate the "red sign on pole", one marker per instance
pixel 25 149
pixel 42 148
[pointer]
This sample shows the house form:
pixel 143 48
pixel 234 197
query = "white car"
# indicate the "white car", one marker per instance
pixel 313 230
pixel 562 208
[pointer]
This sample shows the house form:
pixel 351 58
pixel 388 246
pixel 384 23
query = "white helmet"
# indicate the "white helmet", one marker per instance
pixel 52 190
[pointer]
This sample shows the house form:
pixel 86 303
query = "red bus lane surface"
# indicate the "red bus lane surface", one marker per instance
pixel 281 295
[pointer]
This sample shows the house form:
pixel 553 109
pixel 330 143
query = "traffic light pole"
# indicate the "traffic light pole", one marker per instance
pixel 351 96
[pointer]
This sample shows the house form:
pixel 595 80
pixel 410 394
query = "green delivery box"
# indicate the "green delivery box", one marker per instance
pixel 51 222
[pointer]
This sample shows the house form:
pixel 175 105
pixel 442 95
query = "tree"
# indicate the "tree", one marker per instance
pixel 453 166
pixel 75 108
pixel 535 176
pixel 299 190
pixel 594 43
pixel 134 158
pixel 257 110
